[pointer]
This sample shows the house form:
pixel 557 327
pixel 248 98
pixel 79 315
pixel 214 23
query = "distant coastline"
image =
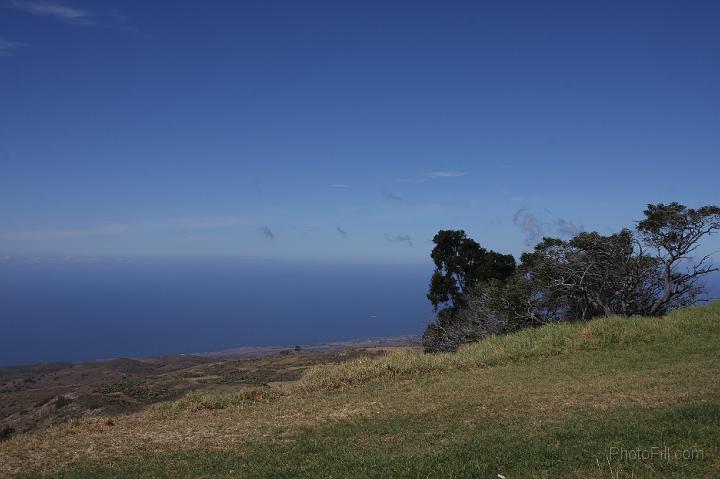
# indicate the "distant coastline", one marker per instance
pixel 372 342
pixel 242 352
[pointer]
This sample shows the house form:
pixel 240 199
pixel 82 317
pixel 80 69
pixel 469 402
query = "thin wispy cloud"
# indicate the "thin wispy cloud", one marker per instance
pixel 533 228
pixel 444 174
pixel 530 225
pixel 401 238
pixel 62 11
pixel 210 222
pixel 343 234
pixel 117 229
pixel 340 185
pixel 567 228
pixel 50 9
pixel 433 175
pixel 390 195
pixel 267 233
pixel 6 47
pixel 57 234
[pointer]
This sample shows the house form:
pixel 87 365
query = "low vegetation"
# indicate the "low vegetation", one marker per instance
pixel 567 400
pixel 551 340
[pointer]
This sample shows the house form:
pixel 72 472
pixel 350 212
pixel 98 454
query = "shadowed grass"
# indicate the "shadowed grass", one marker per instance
pixel 679 441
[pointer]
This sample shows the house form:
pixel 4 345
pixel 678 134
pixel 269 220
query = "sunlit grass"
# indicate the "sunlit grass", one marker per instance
pixel 549 340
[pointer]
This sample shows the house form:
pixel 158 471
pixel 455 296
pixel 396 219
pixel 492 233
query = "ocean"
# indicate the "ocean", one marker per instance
pixel 71 310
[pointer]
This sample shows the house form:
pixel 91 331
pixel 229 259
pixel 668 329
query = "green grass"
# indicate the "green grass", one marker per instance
pixel 560 401
pixel 550 340
pixel 582 445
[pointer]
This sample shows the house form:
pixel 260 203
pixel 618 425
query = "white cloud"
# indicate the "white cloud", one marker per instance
pixel 444 174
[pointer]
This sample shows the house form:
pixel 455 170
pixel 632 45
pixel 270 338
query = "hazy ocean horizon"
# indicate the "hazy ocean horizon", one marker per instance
pixel 70 310
pixel 79 311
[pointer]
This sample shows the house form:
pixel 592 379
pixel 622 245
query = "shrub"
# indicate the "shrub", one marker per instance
pixel 6 432
pixel 62 401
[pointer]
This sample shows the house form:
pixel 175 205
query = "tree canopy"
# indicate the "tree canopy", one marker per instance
pixel 477 292
pixel 460 264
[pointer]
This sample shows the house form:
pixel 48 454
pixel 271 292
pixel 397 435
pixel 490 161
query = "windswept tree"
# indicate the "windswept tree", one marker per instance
pixel 674 231
pixel 587 276
pixel 651 271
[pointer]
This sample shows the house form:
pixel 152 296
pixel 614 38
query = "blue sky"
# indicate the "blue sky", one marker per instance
pixel 347 130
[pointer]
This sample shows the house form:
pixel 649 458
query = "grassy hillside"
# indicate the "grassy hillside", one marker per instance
pixel 609 398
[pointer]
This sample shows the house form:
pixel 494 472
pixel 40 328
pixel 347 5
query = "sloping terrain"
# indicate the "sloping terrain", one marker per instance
pixel 37 396
pixel 609 398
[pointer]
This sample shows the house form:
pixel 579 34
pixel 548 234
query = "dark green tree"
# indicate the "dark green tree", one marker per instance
pixel 461 266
